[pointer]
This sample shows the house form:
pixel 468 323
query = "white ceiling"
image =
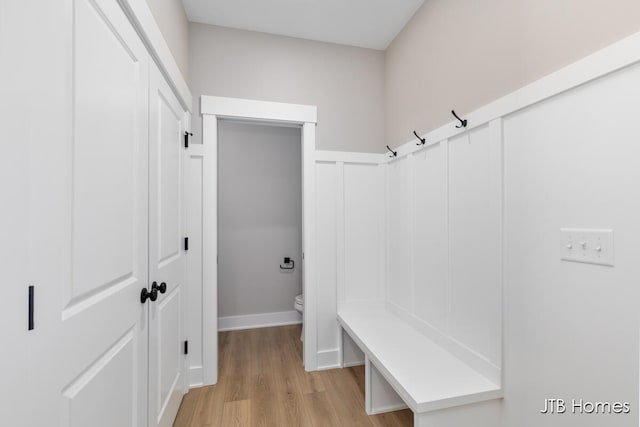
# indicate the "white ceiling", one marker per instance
pixel 364 23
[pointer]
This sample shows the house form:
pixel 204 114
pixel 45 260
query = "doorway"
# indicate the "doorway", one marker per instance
pixel 259 224
pixel 202 222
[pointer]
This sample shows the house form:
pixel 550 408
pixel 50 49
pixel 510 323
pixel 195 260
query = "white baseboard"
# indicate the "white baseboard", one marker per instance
pixel 352 364
pixel 195 376
pixel 328 359
pixel 262 320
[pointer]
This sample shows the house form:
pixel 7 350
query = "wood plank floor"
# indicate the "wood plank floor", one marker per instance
pixel 262 383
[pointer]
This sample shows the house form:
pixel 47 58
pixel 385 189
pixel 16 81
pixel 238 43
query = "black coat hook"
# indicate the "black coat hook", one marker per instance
pixel 393 153
pixel 463 123
pixel 422 140
pixel 186 139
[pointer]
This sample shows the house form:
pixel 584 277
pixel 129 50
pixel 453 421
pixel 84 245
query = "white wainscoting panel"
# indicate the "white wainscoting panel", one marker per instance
pixel 399 229
pixel 350 221
pixel 444 253
pixel 363 231
pixel 572 161
pixel 430 244
pixel 475 214
pixel 326 232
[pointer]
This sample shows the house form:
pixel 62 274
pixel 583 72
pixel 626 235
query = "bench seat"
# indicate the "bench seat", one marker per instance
pixel 422 373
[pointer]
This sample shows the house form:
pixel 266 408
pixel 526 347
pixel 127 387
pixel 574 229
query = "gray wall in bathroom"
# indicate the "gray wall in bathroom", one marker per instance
pixel 260 217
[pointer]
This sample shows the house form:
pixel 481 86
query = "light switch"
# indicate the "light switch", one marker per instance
pixel 587 245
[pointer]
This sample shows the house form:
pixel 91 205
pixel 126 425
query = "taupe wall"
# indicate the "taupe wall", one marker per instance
pixel 463 54
pixel 172 20
pixel 453 54
pixel 346 83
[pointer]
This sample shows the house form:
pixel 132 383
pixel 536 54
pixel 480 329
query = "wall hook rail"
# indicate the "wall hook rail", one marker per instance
pixel 393 153
pixel 422 140
pixel 463 123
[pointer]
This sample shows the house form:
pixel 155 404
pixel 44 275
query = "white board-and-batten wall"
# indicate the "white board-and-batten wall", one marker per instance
pixel 464 237
pixel 436 243
pixel 392 230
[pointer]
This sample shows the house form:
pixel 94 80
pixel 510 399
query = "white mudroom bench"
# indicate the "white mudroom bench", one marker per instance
pixel 405 368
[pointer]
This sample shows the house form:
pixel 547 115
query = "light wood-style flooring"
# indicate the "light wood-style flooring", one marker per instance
pixel 262 383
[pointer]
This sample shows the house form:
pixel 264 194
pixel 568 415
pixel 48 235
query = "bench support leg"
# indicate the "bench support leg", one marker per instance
pixel 379 395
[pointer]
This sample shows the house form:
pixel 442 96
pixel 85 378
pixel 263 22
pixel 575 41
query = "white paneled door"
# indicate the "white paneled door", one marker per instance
pixel 166 252
pixel 104 223
pixel 89 246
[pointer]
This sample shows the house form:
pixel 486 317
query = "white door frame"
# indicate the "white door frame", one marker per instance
pixel 213 108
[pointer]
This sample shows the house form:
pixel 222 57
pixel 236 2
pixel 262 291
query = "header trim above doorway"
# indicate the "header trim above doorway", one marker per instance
pixel 258 110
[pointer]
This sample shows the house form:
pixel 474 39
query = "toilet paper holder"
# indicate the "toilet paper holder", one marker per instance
pixel 289 264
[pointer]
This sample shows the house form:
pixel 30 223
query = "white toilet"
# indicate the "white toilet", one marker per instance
pixel 298 304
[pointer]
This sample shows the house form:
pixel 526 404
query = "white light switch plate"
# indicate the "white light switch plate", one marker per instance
pixel 585 245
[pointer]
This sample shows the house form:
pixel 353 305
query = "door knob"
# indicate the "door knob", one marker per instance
pixel 162 288
pixel 145 295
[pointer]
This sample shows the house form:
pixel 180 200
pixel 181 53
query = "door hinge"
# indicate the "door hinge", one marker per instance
pixel 186 139
pixel 186 243
pixel 31 307
pixel 186 347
